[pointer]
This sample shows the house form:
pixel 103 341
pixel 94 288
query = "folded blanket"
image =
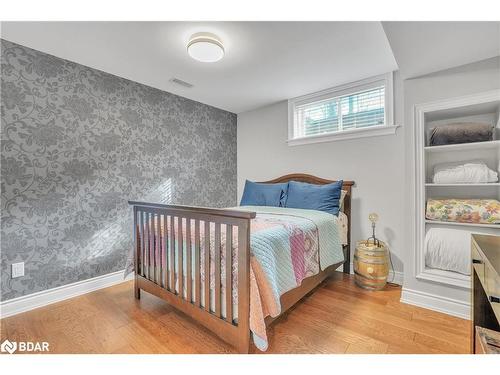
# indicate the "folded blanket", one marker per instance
pixel 477 211
pixel 467 172
pixel 461 133
pixel 448 249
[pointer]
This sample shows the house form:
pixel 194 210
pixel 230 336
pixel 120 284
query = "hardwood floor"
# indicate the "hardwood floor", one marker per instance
pixel 337 317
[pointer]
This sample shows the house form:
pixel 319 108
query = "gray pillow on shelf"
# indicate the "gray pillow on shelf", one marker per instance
pixel 465 132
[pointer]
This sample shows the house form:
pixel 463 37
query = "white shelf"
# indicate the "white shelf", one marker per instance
pixel 473 185
pixel 453 223
pixel 464 146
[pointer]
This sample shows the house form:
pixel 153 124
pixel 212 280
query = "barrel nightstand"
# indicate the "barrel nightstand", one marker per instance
pixel 371 265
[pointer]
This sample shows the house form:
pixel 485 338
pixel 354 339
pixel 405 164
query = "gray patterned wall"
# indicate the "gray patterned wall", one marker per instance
pixel 78 143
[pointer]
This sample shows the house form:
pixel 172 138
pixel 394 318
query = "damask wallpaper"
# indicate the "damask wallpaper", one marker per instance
pixel 76 145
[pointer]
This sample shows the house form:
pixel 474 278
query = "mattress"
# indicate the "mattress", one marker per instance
pixel 448 249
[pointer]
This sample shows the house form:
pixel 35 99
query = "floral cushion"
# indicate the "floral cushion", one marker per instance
pixel 477 211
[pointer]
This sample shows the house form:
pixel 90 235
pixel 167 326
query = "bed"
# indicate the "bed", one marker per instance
pixel 235 271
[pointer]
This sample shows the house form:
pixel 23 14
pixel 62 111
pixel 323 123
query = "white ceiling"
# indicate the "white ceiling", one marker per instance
pixel 265 62
pixel 425 47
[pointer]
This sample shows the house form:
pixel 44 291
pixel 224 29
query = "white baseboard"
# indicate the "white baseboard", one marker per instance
pixel 395 277
pixel 434 302
pixel 46 297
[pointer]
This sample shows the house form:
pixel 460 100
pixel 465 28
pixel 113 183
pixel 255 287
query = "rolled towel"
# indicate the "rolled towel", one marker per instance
pixel 465 132
pixel 468 172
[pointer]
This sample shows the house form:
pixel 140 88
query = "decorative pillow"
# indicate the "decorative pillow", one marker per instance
pixel 314 197
pixel 256 194
pixel 477 211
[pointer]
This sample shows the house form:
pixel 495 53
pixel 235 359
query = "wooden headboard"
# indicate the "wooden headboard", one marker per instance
pixel 346 185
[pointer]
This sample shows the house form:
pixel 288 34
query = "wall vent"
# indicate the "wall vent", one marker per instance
pixel 181 82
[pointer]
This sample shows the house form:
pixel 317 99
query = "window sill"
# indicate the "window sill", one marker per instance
pixel 348 134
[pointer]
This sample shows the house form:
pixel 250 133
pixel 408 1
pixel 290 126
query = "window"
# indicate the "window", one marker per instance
pixel 355 110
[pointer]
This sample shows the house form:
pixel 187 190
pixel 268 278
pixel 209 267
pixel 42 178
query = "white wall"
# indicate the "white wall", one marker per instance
pixel 465 80
pixel 375 164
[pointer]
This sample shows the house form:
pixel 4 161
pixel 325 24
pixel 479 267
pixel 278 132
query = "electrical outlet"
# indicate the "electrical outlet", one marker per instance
pixel 17 269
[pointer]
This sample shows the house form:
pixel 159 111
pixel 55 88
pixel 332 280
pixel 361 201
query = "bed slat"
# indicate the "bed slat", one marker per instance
pixel 217 268
pixel 165 252
pixel 158 249
pixel 180 251
pixel 150 242
pixel 229 269
pixel 207 266
pixel 155 245
pixel 244 282
pixel 189 294
pixel 141 242
pixel 197 262
pixel 172 254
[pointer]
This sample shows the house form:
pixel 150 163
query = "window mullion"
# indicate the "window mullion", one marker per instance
pixel 339 111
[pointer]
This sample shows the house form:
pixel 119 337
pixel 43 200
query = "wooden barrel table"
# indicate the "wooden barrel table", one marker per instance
pixel 371 265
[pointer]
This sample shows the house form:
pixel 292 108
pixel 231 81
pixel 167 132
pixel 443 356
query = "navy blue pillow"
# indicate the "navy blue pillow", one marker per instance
pixel 314 197
pixel 256 194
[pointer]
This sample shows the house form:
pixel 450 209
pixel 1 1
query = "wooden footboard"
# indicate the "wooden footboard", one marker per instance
pixel 169 264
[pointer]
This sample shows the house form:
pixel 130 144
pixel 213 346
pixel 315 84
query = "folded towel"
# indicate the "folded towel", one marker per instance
pixel 468 172
pixel 461 133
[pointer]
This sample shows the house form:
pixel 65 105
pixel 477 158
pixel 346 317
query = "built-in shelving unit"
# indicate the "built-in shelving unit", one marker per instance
pixel 483 107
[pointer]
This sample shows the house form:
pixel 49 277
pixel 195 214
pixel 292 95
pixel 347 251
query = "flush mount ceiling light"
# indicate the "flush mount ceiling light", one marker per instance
pixel 205 47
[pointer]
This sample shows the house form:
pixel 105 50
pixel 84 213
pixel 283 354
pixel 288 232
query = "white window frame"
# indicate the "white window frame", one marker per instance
pixel 351 88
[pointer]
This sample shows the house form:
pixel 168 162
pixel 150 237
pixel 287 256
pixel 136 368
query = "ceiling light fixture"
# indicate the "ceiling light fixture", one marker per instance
pixel 205 47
